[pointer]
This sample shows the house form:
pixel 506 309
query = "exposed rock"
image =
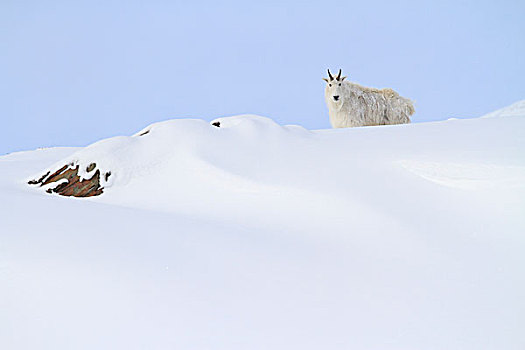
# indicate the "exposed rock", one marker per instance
pixel 217 124
pixel 74 185
pixel 34 182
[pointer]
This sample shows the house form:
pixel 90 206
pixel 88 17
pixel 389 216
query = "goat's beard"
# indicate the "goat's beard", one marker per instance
pixel 336 105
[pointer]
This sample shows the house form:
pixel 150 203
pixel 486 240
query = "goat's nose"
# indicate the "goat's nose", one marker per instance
pixel 336 97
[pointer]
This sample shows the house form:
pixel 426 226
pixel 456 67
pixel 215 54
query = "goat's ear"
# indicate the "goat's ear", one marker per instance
pixel 325 80
pixel 343 78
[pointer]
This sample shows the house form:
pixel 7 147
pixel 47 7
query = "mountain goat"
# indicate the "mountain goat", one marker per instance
pixel 350 104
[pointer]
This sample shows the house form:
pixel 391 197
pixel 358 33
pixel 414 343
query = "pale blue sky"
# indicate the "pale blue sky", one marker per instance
pixel 73 72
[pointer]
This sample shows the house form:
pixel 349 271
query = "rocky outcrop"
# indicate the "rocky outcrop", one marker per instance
pixel 67 181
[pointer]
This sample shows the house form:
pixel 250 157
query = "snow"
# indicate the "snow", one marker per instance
pixel 261 236
pixel 515 110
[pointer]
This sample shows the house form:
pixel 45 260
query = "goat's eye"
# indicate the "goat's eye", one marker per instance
pixel 330 84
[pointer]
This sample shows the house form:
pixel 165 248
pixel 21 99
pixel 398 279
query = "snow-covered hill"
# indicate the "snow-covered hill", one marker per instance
pixel 514 110
pixel 260 236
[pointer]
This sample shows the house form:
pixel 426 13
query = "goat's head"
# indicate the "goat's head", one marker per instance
pixel 334 87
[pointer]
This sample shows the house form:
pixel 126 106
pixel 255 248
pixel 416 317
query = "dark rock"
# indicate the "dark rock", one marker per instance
pixel 91 167
pixel 74 186
pixel 34 182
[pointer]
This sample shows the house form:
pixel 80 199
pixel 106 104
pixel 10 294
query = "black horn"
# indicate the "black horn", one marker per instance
pixel 338 75
pixel 330 75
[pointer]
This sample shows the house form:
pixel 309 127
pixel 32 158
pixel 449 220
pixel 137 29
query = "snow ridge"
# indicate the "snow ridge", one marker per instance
pixel 514 110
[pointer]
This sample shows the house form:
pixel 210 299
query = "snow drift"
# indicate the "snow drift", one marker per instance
pixel 253 235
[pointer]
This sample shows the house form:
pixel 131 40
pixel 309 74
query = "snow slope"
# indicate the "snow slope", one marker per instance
pixel 515 110
pixel 260 236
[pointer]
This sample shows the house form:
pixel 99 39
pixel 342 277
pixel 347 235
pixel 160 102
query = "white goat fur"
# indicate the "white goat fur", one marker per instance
pixel 363 106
